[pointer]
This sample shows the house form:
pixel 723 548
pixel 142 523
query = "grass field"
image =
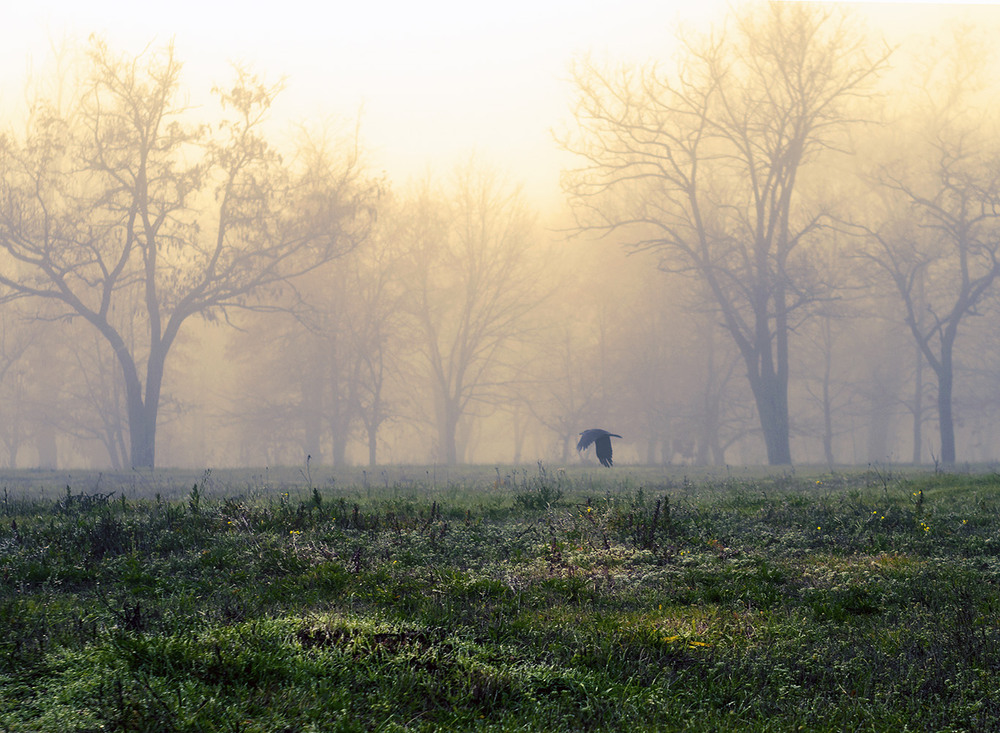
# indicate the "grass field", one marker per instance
pixel 486 599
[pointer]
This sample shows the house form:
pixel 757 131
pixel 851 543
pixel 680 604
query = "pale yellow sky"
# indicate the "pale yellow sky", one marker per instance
pixel 437 79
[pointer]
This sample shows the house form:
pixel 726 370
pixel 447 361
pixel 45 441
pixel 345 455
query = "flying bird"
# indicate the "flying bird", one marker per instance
pixel 602 444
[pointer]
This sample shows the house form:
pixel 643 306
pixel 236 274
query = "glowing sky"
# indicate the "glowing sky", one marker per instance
pixel 437 80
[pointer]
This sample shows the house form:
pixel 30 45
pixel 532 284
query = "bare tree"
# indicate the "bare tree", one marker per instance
pixel 376 331
pixel 948 233
pixel 703 167
pixel 471 287
pixel 938 236
pixel 120 194
pixel 328 368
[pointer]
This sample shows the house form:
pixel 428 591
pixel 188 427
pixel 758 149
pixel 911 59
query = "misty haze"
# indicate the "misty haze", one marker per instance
pixel 776 242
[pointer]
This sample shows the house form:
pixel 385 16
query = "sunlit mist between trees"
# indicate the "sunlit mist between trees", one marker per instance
pixel 777 243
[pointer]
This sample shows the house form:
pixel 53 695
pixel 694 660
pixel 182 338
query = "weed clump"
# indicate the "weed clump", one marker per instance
pixel 533 493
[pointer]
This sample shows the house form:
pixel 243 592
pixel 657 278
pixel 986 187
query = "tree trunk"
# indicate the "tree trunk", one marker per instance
pixel 447 414
pixel 946 421
pixel 827 400
pixel 879 422
pixel 918 409
pixel 142 410
pixel 771 397
pixel 827 428
pixel 767 370
pixel 142 436
pixel 709 448
pixel 340 425
pixel 339 451
pixel 372 447
pixel 141 424
pixel 372 420
pixel 449 451
pixel 447 443
pixel 48 453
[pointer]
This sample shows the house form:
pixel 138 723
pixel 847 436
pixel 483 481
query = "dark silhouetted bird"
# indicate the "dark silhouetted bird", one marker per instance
pixel 602 444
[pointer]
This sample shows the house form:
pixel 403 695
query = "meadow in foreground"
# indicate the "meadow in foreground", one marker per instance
pixel 505 601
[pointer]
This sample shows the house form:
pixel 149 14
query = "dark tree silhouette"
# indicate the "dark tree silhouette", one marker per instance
pixel 119 203
pixel 937 239
pixel 702 166
pixel 471 286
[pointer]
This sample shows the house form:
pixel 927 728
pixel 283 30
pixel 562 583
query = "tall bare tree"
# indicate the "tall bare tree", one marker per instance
pixel 119 193
pixel 376 333
pixel 471 287
pixel 937 237
pixel 704 166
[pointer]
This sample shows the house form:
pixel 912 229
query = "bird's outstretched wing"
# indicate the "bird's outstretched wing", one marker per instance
pixel 602 443
pixel 603 448
pixel 587 437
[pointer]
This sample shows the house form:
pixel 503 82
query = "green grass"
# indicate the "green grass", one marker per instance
pixel 492 600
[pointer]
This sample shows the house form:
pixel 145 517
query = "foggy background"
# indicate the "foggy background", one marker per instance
pixel 475 263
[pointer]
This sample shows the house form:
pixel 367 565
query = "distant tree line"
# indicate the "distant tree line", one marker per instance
pixel 813 264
